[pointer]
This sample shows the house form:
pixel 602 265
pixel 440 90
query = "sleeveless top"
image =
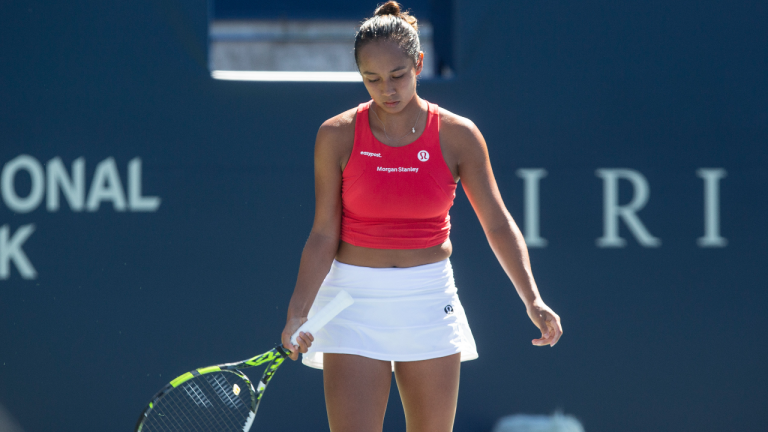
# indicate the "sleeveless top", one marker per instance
pixel 396 197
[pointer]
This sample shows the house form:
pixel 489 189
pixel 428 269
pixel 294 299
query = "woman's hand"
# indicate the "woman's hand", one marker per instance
pixel 304 339
pixel 547 321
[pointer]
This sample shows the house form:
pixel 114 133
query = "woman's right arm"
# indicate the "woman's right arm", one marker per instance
pixel 323 241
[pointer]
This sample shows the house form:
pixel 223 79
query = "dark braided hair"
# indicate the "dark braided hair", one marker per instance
pixel 390 23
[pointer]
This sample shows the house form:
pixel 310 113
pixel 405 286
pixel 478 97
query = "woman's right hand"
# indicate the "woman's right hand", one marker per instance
pixel 304 339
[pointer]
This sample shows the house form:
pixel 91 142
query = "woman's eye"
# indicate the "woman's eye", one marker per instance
pixel 396 77
pixel 370 80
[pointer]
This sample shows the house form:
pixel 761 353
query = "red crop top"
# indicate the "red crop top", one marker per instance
pixel 396 197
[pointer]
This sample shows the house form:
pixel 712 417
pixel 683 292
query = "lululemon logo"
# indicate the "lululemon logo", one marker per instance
pixel 448 309
pixel 423 156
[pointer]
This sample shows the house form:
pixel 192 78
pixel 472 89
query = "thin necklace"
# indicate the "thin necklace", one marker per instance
pixel 413 129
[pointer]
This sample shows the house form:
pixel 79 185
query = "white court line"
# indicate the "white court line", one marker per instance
pixel 286 76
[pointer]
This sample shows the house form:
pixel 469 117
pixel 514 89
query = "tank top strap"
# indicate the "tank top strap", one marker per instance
pixel 363 132
pixel 432 129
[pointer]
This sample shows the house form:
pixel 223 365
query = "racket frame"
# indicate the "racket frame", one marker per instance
pixel 274 358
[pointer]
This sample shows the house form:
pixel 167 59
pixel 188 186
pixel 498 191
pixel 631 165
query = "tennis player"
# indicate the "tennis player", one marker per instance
pixel 385 177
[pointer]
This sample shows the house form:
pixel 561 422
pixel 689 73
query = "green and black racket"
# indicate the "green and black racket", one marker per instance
pixel 221 398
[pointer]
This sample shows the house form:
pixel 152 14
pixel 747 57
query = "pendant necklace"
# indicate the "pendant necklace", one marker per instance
pixel 413 129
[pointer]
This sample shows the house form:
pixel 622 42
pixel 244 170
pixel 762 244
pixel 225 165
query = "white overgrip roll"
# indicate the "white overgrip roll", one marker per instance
pixel 342 301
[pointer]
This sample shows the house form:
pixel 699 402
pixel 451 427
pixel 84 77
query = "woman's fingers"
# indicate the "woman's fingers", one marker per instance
pixel 302 344
pixel 557 329
pixel 545 340
pixel 290 347
pixel 551 330
pixel 305 341
pixel 545 335
pixel 290 328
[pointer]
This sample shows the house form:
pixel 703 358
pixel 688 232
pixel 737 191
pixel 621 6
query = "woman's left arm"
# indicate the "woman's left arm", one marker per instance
pixel 505 238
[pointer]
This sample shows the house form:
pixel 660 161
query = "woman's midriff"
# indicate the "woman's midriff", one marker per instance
pixel 385 258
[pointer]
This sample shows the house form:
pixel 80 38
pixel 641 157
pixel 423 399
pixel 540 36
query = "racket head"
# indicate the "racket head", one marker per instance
pixel 209 399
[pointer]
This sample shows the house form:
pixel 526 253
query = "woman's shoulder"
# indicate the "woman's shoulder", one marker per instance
pixel 459 131
pixel 454 122
pixel 339 124
pixel 338 132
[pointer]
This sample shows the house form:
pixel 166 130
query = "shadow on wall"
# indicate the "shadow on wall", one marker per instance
pixel 7 422
pixel 538 423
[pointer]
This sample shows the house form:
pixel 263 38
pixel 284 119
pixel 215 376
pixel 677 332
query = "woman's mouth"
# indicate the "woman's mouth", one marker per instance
pixel 391 104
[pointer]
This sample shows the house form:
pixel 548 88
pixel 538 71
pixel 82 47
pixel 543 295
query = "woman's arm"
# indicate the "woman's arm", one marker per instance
pixel 505 238
pixel 323 241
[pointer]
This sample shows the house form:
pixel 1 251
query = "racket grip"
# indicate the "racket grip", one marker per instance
pixel 321 318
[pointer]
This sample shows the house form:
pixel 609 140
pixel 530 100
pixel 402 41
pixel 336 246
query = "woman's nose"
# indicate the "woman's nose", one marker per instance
pixel 389 89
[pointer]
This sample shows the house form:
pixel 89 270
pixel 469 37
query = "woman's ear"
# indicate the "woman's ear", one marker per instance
pixel 420 63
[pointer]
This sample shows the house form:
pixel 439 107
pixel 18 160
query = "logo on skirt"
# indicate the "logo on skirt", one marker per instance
pixel 448 309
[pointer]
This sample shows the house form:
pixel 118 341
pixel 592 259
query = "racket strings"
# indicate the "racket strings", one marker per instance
pixel 221 386
pixel 197 395
pixel 202 419
pixel 178 415
pixel 203 404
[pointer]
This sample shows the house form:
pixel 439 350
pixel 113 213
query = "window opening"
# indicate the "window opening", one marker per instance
pixel 296 41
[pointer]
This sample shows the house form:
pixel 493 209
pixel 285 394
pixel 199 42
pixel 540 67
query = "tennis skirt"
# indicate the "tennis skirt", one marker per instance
pixel 399 314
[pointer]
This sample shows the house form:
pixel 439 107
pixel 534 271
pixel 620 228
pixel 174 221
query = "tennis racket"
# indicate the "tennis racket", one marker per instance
pixel 221 398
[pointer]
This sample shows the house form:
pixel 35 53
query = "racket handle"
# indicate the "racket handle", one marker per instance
pixel 321 318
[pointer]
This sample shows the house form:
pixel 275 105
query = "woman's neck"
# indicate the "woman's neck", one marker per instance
pixel 399 123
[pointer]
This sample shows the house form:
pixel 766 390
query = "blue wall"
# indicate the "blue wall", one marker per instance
pixel 667 338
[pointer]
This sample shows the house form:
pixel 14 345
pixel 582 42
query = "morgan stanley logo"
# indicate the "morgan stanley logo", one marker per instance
pixel 365 153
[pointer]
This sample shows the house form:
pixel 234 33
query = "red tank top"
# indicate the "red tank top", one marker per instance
pixel 396 197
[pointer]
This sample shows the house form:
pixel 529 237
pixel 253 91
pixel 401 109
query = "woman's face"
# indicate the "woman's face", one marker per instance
pixel 389 74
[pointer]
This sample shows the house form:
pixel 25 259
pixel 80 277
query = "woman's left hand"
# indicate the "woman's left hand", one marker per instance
pixel 547 321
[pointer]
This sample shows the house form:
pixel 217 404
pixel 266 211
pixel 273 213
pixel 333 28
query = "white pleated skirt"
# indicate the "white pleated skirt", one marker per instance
pixel 399 314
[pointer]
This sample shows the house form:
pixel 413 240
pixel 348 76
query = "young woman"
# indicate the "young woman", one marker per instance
pixel 385 178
